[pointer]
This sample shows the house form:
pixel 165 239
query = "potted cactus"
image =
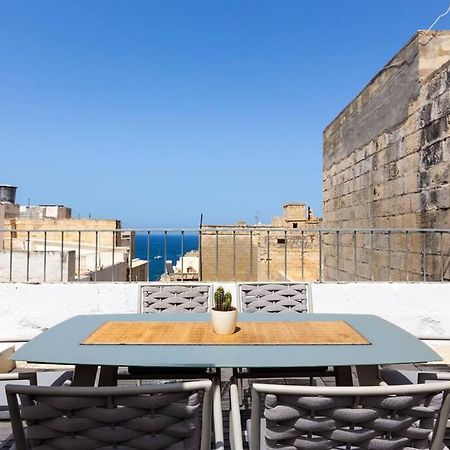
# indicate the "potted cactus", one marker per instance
pixel 224 316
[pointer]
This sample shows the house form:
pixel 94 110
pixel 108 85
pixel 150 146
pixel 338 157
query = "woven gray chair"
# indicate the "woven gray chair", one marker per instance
pixel 274 298
pixel 143 417
pixel 179 298
pixel 166 299
pixel 321 418
pixel 277 298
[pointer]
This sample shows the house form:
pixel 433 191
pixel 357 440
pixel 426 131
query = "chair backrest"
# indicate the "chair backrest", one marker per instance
pixel 271 297
pixel 375 417
pixel 175 298
pixel 142 417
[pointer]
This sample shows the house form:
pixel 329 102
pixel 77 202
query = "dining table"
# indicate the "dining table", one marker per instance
pixel 71 343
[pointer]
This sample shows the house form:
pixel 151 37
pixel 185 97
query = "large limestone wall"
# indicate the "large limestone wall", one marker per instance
pixel 386 165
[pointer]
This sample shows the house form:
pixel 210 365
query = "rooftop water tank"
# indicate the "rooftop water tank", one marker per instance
pixel 7 193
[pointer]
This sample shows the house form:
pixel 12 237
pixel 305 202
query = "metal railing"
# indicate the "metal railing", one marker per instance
pixel 246 253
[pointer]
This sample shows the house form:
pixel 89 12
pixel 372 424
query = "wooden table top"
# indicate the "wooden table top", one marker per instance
pixel 336 332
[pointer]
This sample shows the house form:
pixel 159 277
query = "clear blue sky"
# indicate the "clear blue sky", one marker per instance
pixel 153 112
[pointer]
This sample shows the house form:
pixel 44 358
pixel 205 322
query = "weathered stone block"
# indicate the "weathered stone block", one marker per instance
pixel 431 155
pixel 412 143
pixel 411 220
pixel 408 164
pixel 411 183
pixel 443 198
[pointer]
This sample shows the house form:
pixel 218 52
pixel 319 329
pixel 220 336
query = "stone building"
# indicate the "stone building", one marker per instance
pixel 34 248
pixel 186 268
pixel 45 212
pixel 386 166
pixel 285 250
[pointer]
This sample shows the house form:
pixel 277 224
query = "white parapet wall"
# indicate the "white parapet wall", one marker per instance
pixel 420 308
pixel 28 309
pixel 423 309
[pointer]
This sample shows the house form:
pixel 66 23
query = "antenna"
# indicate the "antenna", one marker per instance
pixel 437 20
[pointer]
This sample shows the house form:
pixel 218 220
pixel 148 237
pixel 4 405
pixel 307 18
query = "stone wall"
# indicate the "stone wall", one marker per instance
pixel 288 255
pixel 102 228
pixel 45 211
pixel 386 166
pixel 285 250
pixel 96 244
pixel 228 256
pixel 259 255
pixel 7 210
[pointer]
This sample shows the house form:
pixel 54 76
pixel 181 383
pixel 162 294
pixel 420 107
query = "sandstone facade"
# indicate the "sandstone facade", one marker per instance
pixel 285 250
pixel 386 166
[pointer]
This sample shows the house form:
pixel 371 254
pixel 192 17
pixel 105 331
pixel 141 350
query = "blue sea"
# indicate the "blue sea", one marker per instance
pixel 157 247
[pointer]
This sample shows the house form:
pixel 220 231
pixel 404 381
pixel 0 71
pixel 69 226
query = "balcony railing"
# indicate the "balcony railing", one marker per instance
pixel 238 253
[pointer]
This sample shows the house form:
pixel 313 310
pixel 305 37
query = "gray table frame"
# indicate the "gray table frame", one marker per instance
pixel 389 344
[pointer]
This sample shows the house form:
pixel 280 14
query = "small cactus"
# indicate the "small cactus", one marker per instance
pixel 227 301
pixel 219 296
pixel 222 300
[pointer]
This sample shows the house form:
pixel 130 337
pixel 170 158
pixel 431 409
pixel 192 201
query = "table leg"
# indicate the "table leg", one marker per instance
pixel 343 375
pixel 108 376
pixel 368 375
pixel 84 375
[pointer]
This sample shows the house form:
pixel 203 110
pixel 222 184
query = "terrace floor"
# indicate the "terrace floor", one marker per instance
pixel 6 440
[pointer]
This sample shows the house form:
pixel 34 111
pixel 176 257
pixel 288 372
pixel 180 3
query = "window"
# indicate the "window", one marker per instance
pixel 281 241
pixel 295 225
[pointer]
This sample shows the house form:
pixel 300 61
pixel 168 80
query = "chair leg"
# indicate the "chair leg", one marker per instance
pixel 239 385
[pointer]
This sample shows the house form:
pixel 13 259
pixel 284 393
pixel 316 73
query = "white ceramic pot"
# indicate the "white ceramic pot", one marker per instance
pixel 224 322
